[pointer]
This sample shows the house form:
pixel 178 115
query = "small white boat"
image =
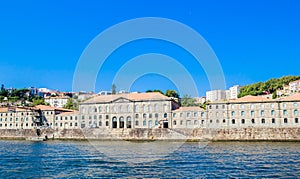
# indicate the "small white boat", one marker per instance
pixel 36 139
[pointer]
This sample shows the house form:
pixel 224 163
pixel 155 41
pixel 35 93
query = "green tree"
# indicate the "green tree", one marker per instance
pixel 274 95
pixel 71 104
pixel 38 101
pixel 172 93
pixel 3 91
pixel 187 100
pixel 156 90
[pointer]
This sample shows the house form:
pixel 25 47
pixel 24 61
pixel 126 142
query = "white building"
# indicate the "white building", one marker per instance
pixel 234 91
pixel 294 86
pixel 58 102
pixel 216 95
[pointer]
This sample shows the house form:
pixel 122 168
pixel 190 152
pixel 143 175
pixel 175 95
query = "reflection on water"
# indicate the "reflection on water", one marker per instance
pixel 23 159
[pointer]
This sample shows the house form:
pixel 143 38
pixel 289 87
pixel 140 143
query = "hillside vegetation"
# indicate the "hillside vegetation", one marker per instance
pixel 268 87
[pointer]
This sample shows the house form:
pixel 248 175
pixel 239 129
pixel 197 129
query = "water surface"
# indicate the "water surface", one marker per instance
pixel 65 159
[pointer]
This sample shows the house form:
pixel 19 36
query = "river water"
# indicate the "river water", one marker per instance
pixel 72 159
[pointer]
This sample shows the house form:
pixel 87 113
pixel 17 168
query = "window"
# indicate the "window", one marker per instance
pixel 136 123
pixel 136 108
pixel 136 116
pixel 272 112
pixel 233 121
pixel 252 106
pixel 284 112
pixel 107 123
pixel 150 115
pixel 262 106
pixel 144 116
pixel 181 114
pixel 71 117
pixel 296 120
pixel 144 123
pixel 144 108
pixel 223 106
pixel 100 123
pixel 95 117
pixel 121 108
pixel 188 114
pixel 285 120
pixel 156 122
pixel 150 108
pixel 232 113
pixel 100 109
pixel 232 106
pixel 181 122
pixel 253 121
pixel 174 122
pixel 217 107
pixel 114 109
pixel 273 121
pixel 202 114
pixel 107 109
pixel 243 113
pixel 263 121
pixel 252 113
pixel 195 114
pixel 295 104
pixel 165 108
pixel 242 106
pixel 243 121
pixel 100 116
pixel 284 105
pixel 296 112
pixel 224 120
pixel 128 108
pixel 174 114
pixel 165 115
pixel 217 121
pixel 107 117
pixel 195 122
pixel 156 115
pixel 262 113
pixel 155 107
pixel 272 105
pixel 66 118
pixel 95 109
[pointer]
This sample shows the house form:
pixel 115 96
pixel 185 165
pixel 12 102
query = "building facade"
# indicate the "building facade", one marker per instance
pixel 217 95
pixel 252 111
pixel 58 101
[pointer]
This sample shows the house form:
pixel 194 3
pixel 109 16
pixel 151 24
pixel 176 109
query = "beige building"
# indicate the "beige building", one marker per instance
pixel 254 111
pixel 133 110
pixel 28 117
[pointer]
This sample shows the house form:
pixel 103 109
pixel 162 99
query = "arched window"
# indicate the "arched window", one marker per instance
pixel 272 112
pixel 174 122
pixel 121 120
pixel 128 108
pixel 233 121
pixel 232 113
pixel 144 116
pixel 165 115
pixel 296 112
pixel 95 109
pixel 144 108
pixel 243 121
pixel 114 122
pixel 136 108
pixel 150 108
pixel 253 121
pixel 128 122
pixel 242 113
pixel 156 108
pixel 263 121
pixel 100 109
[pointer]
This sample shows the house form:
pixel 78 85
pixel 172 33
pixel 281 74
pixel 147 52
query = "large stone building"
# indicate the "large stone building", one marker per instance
pixel 133 110
pixel 154 110
pixel 254 111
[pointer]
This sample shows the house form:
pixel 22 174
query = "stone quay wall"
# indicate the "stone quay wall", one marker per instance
pixel 234 134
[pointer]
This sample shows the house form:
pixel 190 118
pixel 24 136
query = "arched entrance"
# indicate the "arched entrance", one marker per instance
pixel 114 122
pixel 121 122
pixel 128 122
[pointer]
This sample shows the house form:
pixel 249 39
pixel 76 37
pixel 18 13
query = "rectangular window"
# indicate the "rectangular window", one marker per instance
pixel 296 120
pixel 285 120
pixel 262 113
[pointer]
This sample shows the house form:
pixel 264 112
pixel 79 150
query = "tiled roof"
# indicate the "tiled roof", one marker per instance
pixel 191 108
pixel 130 96
pixel 250 98
pixel 68 113
pixel 297 81
pixel 295 96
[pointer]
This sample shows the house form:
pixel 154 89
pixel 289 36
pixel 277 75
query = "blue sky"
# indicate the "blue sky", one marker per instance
pixel 41 41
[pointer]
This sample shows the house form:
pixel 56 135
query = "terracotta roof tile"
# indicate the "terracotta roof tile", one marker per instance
pixel 130 96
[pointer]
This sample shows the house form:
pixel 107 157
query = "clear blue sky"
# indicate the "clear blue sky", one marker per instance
pixel 41 41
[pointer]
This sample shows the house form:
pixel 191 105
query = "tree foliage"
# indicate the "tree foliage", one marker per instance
pixel 172 93
pixel 156 90
pixel 71 104
pixel 187 100
pixel 268 87
pixel 38 101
